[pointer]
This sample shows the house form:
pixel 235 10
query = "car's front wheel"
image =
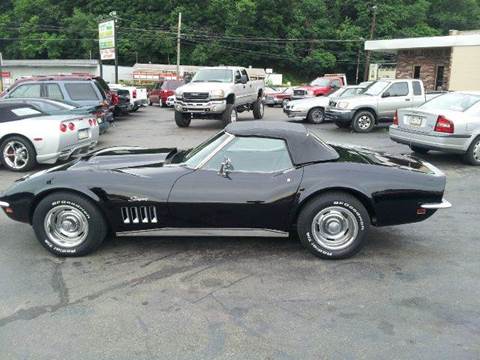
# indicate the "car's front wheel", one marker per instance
pixel 18 154
pixel 229 115
pixel 333 225
pixel 68 224
pixel 316 115
pixel 258 109
pixel 472 156
pixel 182 120
pixel 363 121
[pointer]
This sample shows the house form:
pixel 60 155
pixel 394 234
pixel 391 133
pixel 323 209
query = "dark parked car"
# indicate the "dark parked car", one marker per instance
pixel 123 105
pixel 253 175
pixel 62 107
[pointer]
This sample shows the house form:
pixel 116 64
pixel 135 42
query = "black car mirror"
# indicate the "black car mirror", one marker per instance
pixel 385 94
pixel 225 167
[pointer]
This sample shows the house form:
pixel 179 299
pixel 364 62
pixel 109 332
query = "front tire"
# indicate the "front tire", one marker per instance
pixel 333 225
pixel 229 115
pixel 182 120
pixel 316 115
pixel 258 109
pixel 67 224
pixel 363 121
pixel 18 154
pixel 472 156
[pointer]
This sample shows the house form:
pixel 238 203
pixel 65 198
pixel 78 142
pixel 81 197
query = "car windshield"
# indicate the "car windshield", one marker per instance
pixel 214 75
pixel 337 93
pixel 452 102
pixel 349 92
pixel 195 156
pixel 376 88
pixel 320 82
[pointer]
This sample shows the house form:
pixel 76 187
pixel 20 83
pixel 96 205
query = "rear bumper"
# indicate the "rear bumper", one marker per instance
pixel 442 205
pixel 66 153
pixel 344 116
pixel 457 144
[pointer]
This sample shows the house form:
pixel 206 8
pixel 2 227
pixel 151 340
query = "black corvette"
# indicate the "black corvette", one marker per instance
pixel 271 176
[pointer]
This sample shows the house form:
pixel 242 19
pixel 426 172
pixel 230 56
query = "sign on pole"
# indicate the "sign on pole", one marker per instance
pixel 106 39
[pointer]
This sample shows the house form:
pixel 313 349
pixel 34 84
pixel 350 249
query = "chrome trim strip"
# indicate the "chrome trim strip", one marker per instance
pixel 443 205
pixel 217 149
pixel 4 204
pixel 220 232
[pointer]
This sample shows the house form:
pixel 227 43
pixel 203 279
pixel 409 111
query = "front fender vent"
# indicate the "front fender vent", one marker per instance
pixel 139 215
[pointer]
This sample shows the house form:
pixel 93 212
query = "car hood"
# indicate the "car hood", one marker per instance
pixel 360 100
pixel 204 87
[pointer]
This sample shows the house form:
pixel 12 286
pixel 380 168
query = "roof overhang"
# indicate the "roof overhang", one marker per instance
pixel 422 43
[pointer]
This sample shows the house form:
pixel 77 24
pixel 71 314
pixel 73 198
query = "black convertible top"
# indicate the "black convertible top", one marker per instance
pixel 303 146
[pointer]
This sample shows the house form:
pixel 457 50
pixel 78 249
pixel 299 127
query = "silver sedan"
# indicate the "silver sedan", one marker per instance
pixel 448 123
pixel 29 137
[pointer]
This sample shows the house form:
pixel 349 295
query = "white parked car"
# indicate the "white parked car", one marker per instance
pixel 313 108
pixel 170 101
pixel 29 136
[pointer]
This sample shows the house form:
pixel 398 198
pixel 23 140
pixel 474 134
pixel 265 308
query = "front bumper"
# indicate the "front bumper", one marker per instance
pixel 457 144
pixel 297 114
pixel 339 115
pixel 200 107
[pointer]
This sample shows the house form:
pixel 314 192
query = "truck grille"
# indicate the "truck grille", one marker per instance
pixel 139 215
pixel 195 95
pixel 299 92
pixel 332 103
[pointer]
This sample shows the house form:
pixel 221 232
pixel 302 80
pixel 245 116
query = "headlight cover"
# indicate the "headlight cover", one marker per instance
pixel 342 105
pixel 179 94
pixel 217 94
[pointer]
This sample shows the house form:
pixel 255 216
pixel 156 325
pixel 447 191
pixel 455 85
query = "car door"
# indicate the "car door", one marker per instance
pixel 250 90
pixel 395 97
pixel 240 89
pixel 256 191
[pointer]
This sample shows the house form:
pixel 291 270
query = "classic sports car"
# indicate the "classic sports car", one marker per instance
pixel 253 175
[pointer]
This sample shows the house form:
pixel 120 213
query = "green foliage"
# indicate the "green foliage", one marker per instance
pixel 243 32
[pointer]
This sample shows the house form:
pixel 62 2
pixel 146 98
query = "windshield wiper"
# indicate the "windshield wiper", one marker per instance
pixel 198 81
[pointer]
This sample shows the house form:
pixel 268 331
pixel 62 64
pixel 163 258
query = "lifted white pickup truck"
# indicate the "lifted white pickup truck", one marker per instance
pixel 218 93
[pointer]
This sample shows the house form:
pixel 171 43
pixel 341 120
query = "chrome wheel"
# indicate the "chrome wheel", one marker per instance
pixel 15 155
pixel 66 226
pixel 476 151
pixel 317 116
pixel 364 122
pixel 335 228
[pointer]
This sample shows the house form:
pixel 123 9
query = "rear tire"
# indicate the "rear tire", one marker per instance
pixel 316 115
pixel 472 156
pixel 67 224
pixel 363 121
pixel 418 150
pixel 229 115
pixel 258 109
pixel 333 225
pixel 182 120
pixel 342 125
pixel 18 154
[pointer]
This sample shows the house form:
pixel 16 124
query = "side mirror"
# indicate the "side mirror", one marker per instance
pixel 335 86
pixel 244 79
pixel 225 167
pixel 385 94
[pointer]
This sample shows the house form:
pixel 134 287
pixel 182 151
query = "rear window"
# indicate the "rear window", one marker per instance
pixel 12 112
pixel 81 91
pixel 452 101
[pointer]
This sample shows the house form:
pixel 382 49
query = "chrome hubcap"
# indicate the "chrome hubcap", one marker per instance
pixel 364 122
pixel 66 226
pixel 335 228
pixel 476 151
pixel 317 115
pixel 15 155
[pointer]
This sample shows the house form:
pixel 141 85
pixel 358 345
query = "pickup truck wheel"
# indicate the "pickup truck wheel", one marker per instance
pixel 342 125
pixel 316 115
pixel 182 120
pixel 333 225
pixel 150 102
pixel 229 115
pixel 67 224
pixel 363 121
pixel 418 150
pixel 258 109
pixel 472 156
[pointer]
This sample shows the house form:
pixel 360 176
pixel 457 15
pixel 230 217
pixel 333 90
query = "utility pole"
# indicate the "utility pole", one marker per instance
pixel 372 33
pixel 358 62
pixel 1 70
pixel 116 45
pixel 178 44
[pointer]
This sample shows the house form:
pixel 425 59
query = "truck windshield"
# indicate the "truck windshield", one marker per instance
pixel 376 88
pixel 320 82
pixel 213 75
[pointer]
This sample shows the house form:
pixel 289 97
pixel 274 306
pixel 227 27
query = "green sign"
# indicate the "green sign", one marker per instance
pixel 106 39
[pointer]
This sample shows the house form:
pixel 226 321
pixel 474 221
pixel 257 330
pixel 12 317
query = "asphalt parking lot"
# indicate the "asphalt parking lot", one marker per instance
pixel 413 292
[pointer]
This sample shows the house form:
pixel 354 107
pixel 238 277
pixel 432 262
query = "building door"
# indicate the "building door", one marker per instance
pixel 440 78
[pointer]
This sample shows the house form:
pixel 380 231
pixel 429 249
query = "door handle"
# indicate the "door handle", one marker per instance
pixel 408 99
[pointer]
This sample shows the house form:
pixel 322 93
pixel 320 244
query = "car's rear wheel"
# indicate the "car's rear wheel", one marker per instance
pixel 67 224
pixel 418 150
pixel 316 115
pixel 229 115
pixel 363 121
pixel 472 156
pixel 258 109
pixel 182 120
pixel 342 125
pixel 333 225
pixel 18 154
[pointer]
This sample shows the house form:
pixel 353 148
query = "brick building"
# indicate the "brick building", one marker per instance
pixel 441 62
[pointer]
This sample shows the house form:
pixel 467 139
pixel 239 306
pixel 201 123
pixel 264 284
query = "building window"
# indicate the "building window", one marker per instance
pixel 416 71
pixel 440 78
pixel 417 88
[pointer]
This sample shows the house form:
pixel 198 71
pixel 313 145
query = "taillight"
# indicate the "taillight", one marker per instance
pixel 95 122
pixel 444 125
pixel 63 127
pixel 90 121
pixel 134 93
pixel 395 118
pixel 71 126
